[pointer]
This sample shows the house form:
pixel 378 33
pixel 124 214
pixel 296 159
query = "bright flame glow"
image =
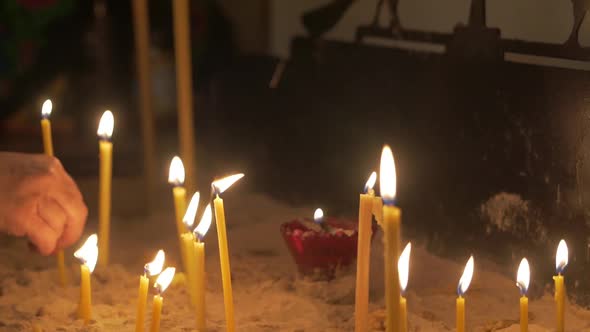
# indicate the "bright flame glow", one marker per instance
pixel 105 126
pixel 318 215
pixel 191 211
pixel 371 182
pixel 523 276
pixel 164 279
pixel 46 108
pixel 466 277
pixel 155 267
pixel 88 252
pixel 221 185
pixel 205 223
pixel 403 266
pixel 388 178
pixel 176 172
pixel 561 257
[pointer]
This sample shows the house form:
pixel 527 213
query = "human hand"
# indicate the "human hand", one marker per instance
pixel 38 199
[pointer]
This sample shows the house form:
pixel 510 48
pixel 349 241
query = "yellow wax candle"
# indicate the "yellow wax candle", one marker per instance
pixel 48 148
pixel 224 259
pixel 460 314
pixel 200 284
pixel 391 225
pixel 523 277
pixel 105 130
pixel 87 254
pixel 361 304
pixel 161 284
pixel 220 186
pixel 464 283
pixel 190 270
pixel 199 255
pixel 150 269
pixel 184 87
pixel 561 260
pixel 156 313
pixel 403 266
pixel 378 209
pixel 141 303
pixel 403 314
pixel 524 314
pixel 142 56
pixel 179 194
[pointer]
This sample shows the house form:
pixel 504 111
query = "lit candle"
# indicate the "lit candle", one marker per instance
pixel 461 289
pixel 523 277
pixel 561 260
pixel 199 253
pixel 184 86
pixel 403 265
pixel 391 224
pixel 87 254
pixel 188 247
pixel 176 179
pixel 363 256
pixel 48 148
pixel 150 269
pixel 105 131
pixel 164 279
pixel 219 187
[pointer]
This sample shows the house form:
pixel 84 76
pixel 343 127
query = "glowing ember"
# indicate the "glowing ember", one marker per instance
pixel 388 178
pixel 155 267
pixel 88 252
pixel 176 172
pixel 523 276
pixel 466 277
pixel 105 126
pixel 222 185
pixel 204 224
pixel 164 279
pixel 191 211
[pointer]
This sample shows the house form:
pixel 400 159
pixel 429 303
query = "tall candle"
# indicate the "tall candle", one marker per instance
pixel 142 60
pixel 161 284
pixel 150 269
pixel 219 187
pixel 199 254
pixel 48 148
pixel 184 86
pixel 188 248
pixel 461 289
pixel 391 224
pixel 105 131
pixel 87 254
pixel 403 266
pixel 561 260
pixel 361 303
pixel 523 277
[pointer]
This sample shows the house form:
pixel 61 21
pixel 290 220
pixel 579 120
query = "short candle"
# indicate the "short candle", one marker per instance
pixel 523 277
pixel 403 266
pixel 461 289
pixel 152 268
pixel 87 254
pixel 164 279
pixel 561 260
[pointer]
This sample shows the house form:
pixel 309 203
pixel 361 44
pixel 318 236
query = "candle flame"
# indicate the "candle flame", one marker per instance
pixel 155 267
pixel 204 224
pixel 105 126
pixel 523 276
pixel 164 279
pixel 176 172
pixel 388 178
pixel 221 185
pixel 191 211
pixel 88 252
pixel 318 216
pixel 46 108
pixel 403 266
pixel 561 257
pixel 371 182
pixel 466 277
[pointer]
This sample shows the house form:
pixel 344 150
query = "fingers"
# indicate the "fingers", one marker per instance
pixel 42 236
